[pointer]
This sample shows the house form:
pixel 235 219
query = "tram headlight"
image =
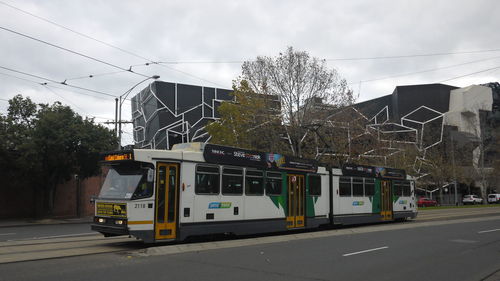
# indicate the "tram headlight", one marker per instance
pixel 101 220
pixel 120 222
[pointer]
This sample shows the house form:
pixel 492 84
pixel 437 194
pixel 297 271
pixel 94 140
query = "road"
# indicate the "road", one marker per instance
pixel 34 232
pixel 429 249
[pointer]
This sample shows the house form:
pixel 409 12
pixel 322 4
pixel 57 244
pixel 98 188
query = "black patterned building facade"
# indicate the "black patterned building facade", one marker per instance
pixel 164 114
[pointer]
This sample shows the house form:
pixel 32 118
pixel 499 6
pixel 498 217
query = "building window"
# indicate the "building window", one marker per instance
pixel 207 180
pixel 345 186
pixel 273 183
pixel 315 185
pixel 232 181
pixel 254 182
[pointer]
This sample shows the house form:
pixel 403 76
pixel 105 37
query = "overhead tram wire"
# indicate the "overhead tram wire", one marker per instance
pixel 54 92
pixel 57 82
pixel 469 74
pixel 45 84
pixel 96 75
pixel 234 61
pixel 107 44
pixel 424 71
pixel 72 52
pixel 49 88
pixel 74 31
pixel 416 55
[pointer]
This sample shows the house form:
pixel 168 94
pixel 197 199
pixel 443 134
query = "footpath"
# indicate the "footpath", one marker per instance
pixel 30 222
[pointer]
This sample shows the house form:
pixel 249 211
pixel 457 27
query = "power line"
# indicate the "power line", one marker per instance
pixel 415 55
pixel 191 75
pixel 472 73
pixel 424 71
pixel 150 61
pixel 96 75
pixel 234 61
pixel 48 87
pixel 73 52
pixel 74 31
pixel 54 92
pixel 57 82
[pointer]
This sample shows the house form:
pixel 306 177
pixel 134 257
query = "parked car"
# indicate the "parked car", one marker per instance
pixel 426 202
pixel 494 198
pixel 472 199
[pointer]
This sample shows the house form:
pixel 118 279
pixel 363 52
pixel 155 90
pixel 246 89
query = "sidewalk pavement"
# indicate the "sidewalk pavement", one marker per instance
pixel 28 222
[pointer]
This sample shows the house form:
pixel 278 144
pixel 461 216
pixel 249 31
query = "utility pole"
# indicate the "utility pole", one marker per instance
pixel 118 117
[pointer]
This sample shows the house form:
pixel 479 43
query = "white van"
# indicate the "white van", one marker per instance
pixel 493 198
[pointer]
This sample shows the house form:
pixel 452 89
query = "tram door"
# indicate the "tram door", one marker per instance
pixel 167 186
pixel 386 200
pixel 296 200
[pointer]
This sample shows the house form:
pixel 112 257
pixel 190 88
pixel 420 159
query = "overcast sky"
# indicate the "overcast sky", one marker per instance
pixel 205 41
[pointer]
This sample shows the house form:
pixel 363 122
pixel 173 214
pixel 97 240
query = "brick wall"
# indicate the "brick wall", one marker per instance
pixel 19 202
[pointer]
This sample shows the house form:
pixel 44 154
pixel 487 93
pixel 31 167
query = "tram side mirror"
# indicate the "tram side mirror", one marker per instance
pixel 151 175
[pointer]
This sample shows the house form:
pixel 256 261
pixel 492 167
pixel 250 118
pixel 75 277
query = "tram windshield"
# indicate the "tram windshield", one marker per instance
pixel 128 181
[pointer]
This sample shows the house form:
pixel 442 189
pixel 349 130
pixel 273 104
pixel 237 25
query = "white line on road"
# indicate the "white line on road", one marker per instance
pixel 7 233
pixel 486 231
pixel 365 251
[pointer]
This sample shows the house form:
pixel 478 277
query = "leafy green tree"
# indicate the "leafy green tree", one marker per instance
pixel 48 144
pixel 252 121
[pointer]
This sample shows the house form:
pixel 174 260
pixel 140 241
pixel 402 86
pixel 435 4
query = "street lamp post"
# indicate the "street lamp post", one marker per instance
pixel 118 108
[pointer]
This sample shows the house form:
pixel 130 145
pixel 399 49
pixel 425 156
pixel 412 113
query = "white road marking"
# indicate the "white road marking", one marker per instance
pixel 365 251
pixel 486 231
pixel 464 241
pixel 7 233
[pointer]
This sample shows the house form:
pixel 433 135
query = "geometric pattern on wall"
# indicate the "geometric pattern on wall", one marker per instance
pixel 412 129
pixel 164 114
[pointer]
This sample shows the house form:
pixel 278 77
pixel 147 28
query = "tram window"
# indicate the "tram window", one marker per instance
pixel 369 187
pixel 398 188
pixel 273 183
pixel 145 187
pixel 232 181
pixel 357 187
pixel 345 186
pixel 207 180
pixel 254 183
pixel 314 185
pixel 406 188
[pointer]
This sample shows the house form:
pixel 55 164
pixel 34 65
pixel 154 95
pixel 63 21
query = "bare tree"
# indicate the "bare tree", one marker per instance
pixel 301 82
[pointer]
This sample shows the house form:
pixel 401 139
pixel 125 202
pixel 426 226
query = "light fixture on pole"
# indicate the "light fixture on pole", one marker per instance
pixel 122 98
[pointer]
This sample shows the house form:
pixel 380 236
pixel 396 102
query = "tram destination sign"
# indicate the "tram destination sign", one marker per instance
pixel 244 157
pixel 371 171
pixel 117 156
pixel 358 170
pixel 390 173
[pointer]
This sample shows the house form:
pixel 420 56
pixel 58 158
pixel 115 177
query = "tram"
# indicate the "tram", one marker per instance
pixel 197 189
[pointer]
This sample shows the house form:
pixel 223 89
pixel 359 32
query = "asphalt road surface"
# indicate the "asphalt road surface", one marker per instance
pixel 33 232
pixel 433 249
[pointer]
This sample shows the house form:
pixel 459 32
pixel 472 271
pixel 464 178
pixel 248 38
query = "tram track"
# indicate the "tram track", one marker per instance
pixel 50 248
pixel 29 250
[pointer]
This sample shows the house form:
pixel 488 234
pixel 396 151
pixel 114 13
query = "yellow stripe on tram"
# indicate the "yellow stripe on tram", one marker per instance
pixel 140 222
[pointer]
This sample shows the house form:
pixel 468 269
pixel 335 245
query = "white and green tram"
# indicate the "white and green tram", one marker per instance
pixel 198 189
